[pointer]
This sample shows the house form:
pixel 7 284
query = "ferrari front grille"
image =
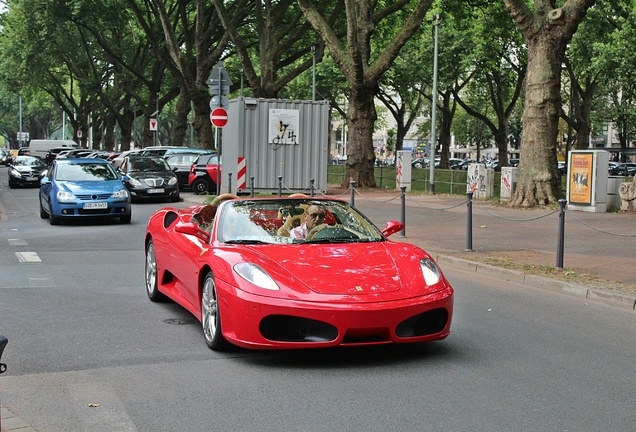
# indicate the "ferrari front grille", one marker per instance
pixel 283 328
pixel 424 324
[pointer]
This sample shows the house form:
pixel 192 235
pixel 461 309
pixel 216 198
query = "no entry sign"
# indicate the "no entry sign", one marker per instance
pixel 218 117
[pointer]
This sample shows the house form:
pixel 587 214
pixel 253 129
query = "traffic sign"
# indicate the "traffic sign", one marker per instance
pixel 153 124
pixel 218 117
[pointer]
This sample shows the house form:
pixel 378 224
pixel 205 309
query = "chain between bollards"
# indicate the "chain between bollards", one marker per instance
pixel 561 235
pixel 469 222
pixel 403 212
pixel 352 186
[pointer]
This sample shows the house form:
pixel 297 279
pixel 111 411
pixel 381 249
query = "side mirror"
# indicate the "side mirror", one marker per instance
pixel 45 180
pixel 392 227
pixel 192 229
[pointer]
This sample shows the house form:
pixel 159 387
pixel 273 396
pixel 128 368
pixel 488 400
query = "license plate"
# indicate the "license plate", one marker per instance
pixel 156 190
pixel 31 178
pixel 99 205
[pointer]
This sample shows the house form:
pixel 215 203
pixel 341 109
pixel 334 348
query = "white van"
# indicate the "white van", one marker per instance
pixel 40 147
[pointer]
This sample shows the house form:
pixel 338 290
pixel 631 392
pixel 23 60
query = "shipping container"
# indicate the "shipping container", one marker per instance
pixel 275 138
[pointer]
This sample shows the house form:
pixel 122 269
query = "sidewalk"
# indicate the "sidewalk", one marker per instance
pixel 514 244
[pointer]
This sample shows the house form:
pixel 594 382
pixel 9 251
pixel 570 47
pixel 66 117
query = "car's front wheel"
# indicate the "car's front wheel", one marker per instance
pixel 152 283
pixel 43 213
pixel 201 186
pixel 210 315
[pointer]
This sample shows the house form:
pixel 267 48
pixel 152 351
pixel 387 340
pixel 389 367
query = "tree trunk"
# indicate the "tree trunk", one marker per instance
pixel 538 181
pixel 360 155
pixel 547 30
pixel 180 125
pixel 201 123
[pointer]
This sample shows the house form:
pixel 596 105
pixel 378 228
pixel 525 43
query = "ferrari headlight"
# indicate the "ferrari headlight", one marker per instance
pixel 121 193
pixel 431 272
pixel 63 196
pixel 172 181
pixel 134 182
pixel 256 275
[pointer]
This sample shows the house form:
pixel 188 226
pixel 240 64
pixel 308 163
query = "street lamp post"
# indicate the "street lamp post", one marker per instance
pixel 434 108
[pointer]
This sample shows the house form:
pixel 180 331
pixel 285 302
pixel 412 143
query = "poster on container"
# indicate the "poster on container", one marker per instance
pixel 283 127
pixel 580 179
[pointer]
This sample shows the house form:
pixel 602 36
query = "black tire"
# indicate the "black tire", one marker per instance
pixel 43 213
pixel 211 315
pixel 11 184
pixel 176 198
pixel 152 279
pixel 54 220
pixel 201 186
pixel 126 218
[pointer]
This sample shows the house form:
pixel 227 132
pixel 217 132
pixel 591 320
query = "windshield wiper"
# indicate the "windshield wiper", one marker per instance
pixel 246 241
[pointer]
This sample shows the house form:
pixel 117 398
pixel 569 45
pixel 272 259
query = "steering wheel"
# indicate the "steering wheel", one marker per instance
pixel 315 230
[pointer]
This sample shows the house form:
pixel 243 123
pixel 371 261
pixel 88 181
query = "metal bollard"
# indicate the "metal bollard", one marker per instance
pixel 311 187
pixel 403 210
pixel 229 182
pixel 469 223
pixel 3 344
pixel 352 185
pixel 3 367
pixel 561 235
pixel 280 185
pixel 252 187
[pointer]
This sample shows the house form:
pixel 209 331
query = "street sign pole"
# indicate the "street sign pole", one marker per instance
pixel 219 88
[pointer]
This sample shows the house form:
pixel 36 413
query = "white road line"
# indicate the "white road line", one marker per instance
pixel 17 242
pixel 28 257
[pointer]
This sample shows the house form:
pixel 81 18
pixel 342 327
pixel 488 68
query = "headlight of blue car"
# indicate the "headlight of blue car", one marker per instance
pixel 63 196
pixel 121 193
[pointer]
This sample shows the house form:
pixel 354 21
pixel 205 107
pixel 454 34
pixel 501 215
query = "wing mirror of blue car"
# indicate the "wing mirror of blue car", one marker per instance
pixel 3 344
pixel 392 227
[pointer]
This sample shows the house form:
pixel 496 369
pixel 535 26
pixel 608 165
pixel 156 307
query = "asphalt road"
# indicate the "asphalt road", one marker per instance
pixel 89 352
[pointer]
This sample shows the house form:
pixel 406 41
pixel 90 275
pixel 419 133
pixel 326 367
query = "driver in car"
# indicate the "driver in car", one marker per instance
pixel 314 215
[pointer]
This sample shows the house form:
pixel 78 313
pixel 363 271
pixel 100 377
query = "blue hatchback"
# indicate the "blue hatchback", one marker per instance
pixel 78 188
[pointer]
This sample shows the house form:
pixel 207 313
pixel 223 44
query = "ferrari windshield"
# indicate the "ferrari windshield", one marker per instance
pixel 294 221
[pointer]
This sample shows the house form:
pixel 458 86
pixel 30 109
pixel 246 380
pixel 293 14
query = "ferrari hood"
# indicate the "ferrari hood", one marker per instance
pixel 365 268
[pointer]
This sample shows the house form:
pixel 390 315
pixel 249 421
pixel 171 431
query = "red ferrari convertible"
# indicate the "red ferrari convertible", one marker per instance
pixel 255 281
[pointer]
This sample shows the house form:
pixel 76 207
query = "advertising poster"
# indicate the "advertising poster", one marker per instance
pixel 580 180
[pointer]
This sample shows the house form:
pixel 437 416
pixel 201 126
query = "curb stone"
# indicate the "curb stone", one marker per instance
pixel 569 288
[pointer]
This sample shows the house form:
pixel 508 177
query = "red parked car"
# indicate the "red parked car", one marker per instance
pixel 203 174
pixel 234 266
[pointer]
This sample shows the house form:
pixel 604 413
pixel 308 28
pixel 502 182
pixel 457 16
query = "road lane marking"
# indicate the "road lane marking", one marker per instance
pixel 28 257
pixel 17 242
